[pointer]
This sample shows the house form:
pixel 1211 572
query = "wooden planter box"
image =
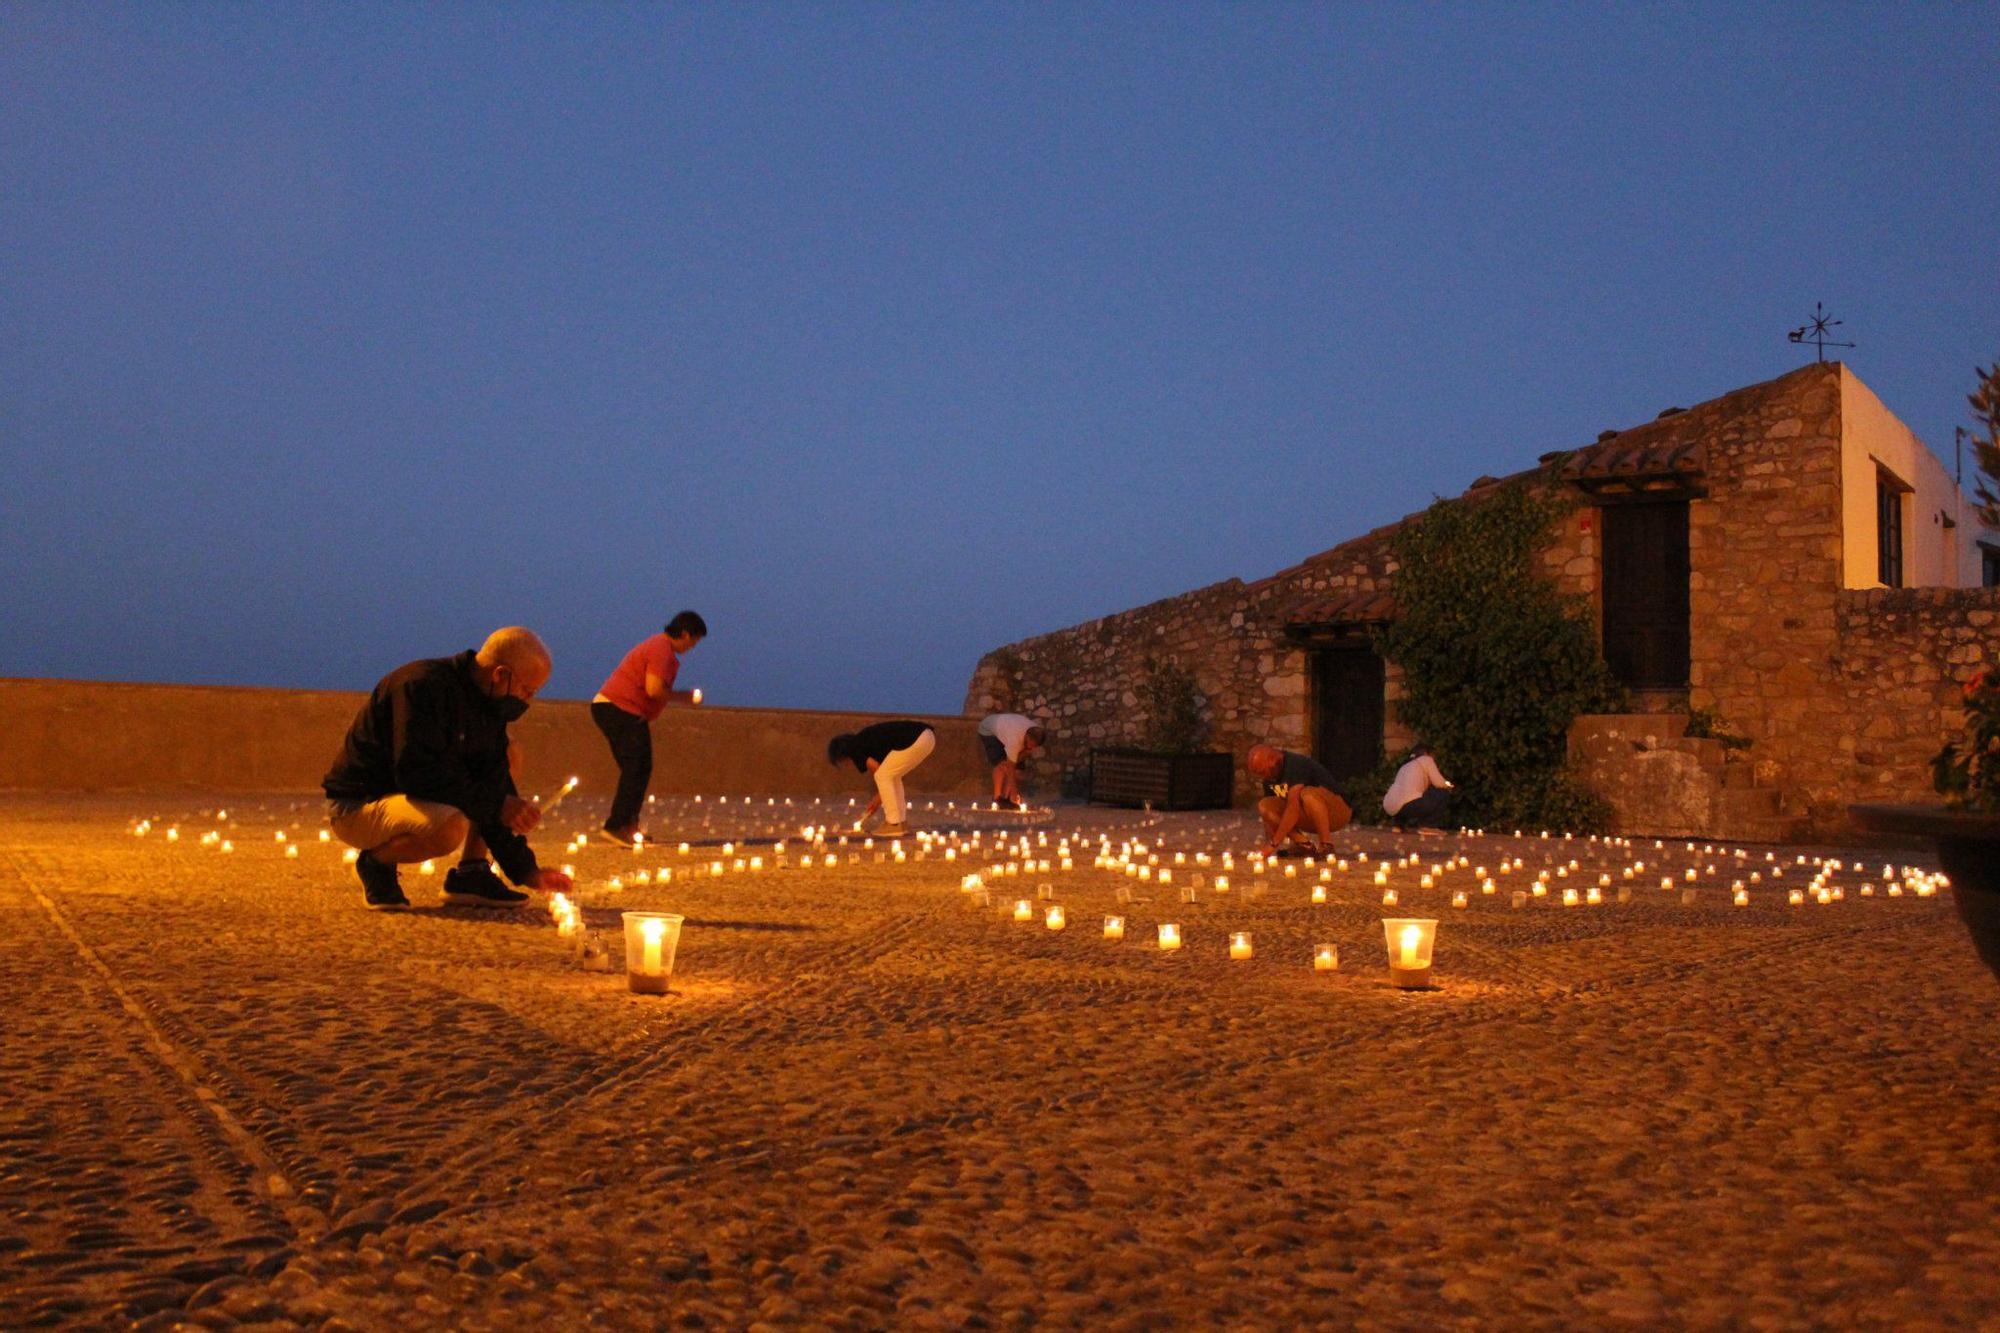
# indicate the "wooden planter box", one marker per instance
pixel 1166 781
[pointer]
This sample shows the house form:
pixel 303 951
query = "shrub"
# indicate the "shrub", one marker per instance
pixel 1967 770
pixel 1497 662
pixel 1172 704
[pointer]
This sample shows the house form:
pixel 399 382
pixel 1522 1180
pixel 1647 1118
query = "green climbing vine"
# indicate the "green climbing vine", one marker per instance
pixel 1497 661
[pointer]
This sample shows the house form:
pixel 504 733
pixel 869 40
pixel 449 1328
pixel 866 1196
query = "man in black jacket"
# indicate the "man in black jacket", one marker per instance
pixel 425 769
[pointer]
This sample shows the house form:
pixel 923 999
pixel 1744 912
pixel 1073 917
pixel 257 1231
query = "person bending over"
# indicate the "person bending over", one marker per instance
pixel 1008 739
pixel 427 768
pixel 1302 805
pixel 890 751
pixel 624 709
pixel 1420 797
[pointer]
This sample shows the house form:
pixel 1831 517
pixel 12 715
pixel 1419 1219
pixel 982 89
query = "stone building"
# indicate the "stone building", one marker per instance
pixel 1788 557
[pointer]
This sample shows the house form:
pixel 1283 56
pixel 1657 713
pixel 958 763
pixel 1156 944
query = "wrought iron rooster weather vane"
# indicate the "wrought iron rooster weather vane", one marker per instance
pixel 1819 333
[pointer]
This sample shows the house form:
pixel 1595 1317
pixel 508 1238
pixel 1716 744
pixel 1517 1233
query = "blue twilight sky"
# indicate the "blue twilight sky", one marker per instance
pixel 883 334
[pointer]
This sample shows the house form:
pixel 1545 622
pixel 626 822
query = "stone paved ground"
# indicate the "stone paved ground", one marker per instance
pixel 234 1098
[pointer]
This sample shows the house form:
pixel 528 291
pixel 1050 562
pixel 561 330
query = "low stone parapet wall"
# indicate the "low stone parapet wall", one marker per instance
pixel 67 735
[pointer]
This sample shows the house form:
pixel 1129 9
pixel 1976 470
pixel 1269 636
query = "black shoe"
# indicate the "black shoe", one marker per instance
pixel 474 884
pixel 1009 803
pixel 618 837
pixel 378 884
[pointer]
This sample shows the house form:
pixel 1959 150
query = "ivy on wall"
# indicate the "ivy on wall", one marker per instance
pixel 1497 661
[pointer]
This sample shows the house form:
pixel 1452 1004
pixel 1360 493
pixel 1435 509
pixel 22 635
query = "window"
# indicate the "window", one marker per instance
pixel 1889 494
pixel 1989 566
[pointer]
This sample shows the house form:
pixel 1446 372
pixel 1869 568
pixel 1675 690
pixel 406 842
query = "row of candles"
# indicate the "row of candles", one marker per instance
pixel 1821 889
pixel 1410 942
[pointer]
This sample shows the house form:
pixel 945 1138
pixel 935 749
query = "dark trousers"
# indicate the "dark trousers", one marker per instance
pixel 1427 811
pixel 632 747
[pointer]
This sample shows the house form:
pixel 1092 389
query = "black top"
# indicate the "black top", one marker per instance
pixel 1301 770
pixel 428 732
pixel 878 741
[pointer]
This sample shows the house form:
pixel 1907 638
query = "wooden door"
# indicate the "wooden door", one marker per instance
pixel 1646 594
pixel 1347 684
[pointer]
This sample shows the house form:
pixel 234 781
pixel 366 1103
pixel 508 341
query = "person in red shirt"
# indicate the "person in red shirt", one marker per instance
pixel 624 709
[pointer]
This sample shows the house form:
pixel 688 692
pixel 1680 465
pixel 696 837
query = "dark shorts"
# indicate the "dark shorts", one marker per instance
pixel 995 751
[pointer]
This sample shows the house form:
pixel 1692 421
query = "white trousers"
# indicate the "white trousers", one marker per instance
pixel 889 773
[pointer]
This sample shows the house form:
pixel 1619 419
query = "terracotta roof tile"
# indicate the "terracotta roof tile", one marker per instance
pixel 1343 609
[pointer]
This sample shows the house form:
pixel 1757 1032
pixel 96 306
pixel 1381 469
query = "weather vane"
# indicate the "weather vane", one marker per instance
pixel 1819 332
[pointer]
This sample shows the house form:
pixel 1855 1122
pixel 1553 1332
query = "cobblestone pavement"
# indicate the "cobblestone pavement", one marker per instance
pixel 235 1098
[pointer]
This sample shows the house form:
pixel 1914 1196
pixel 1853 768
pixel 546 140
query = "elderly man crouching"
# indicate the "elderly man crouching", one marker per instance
pixel 427 768
pixel 1301 805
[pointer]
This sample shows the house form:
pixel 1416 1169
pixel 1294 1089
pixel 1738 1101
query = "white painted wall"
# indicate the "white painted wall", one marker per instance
pixel 1934 555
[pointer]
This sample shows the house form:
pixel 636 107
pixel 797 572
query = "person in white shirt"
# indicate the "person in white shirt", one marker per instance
pixel 1008 739
pixel 1420 796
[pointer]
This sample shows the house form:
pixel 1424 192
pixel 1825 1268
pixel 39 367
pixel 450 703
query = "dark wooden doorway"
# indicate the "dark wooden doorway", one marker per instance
pixel 1646 594
pixel 1347 686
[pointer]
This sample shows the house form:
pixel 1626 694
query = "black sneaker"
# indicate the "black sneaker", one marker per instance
pixel 617 837
pixel 378 884
pixel 474 884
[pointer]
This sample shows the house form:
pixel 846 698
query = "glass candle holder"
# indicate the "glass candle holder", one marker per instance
pixel 651 940
pixel 1326 958
pixel 1114 927
pixel 1170 935
pixel 1409 942
pixel 1055 919
pixel 1240 946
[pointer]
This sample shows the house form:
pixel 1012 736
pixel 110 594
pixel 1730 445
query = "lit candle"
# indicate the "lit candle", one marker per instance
pixel 1326 958
pixel 695 697
pixel 1055 918
pixel 1409 944
pixel 557 799
pixel 1024 910
pixel 1240 947
pixel 1114 927
pixel 1319 893
pixel 1458 899
pixel 1569 898
pixel 1388 897
pixel 1170 935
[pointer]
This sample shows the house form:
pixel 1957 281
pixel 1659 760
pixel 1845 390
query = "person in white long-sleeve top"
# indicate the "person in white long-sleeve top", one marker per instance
pixel 1420 796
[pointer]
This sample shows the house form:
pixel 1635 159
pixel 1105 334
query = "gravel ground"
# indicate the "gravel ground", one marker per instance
pixel 235 1098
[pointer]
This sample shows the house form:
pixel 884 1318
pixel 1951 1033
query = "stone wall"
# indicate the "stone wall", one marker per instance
pixel 1083 683
pixel 1843 695
pixel 1893 694
pixel 67 735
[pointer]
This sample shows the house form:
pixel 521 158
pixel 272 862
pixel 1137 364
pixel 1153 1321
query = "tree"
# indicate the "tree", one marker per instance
pixel 1985 402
